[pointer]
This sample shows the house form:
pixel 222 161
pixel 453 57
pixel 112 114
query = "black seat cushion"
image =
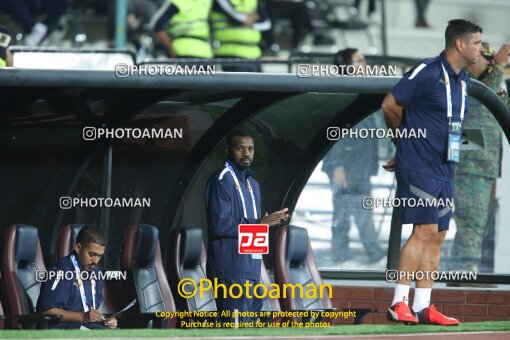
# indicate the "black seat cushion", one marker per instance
pixel 297 245
pixel 297 255
pixel 144 271
pixel 27 240
pixel 191 248
pixel 146 244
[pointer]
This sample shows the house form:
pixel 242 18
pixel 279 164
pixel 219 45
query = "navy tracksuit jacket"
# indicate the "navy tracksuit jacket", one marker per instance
pixel 224 214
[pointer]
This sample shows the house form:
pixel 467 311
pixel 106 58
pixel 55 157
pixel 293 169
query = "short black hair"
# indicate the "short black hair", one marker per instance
pixel 90 234
pixel 344 57
pixel 237 133
pixel 459 28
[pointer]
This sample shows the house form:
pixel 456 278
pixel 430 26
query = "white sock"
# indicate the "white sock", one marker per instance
pixel 421 299
pixel 401 294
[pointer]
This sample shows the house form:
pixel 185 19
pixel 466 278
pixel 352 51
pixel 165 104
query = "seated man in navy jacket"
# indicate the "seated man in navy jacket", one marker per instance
pixel 73 289
pixel 232 197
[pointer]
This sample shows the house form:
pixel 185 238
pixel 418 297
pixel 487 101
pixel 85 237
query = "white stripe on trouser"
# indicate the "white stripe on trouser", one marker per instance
pixel 424 195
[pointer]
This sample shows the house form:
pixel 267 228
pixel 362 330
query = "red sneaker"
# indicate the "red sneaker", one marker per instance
pixel 400 312
pixel 431 316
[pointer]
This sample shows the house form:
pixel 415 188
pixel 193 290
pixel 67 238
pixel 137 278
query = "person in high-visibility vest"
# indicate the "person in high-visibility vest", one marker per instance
pixel 182 27
pixel 5 54
pixel 236 26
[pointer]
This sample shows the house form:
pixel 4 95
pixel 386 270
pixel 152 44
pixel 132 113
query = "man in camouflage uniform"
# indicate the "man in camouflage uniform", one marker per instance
pixel 476 173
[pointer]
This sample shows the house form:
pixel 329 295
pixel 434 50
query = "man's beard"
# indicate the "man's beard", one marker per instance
pixel 239 164
pixel 243 166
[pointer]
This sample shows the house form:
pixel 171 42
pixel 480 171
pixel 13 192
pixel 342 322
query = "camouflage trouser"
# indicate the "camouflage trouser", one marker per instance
pixel 472 198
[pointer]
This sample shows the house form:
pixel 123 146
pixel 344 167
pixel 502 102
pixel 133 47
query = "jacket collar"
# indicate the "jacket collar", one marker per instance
pixel 242 174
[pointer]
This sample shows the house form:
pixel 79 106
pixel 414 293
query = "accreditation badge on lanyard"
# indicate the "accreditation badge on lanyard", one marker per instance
pixel 454 127
pixel 81 287
pixel 250 189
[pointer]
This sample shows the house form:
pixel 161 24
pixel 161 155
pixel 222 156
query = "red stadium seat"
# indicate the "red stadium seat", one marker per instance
pixel 294 263
pixel 187 259
pixel 146 279
pixel 2 316
pixel 67 239
pixel 21 259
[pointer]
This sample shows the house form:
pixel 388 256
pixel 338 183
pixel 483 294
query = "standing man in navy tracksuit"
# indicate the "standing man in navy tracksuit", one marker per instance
pixel 232 197
pixel 431 96
pixel 77 294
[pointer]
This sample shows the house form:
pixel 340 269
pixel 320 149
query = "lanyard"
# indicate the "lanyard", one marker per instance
pixel 238 187
pixel 82 288
pixel 449 113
